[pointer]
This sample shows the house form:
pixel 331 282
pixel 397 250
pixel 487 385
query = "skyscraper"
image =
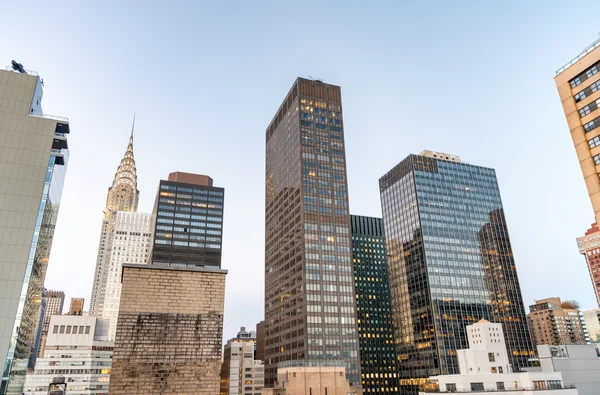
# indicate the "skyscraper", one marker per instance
pixel 578 82
pixel 55 301
pixel 123 195
pixel 373 308
pixel 241 372
pixel 34 162
pixel 450 263
pixel 189 221
pixel 309 291
pixel 589 247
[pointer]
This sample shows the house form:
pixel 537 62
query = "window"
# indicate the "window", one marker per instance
pixel 477 387
pixel 62 329
pixel 87 330
pixel 500 369
pixel 587 91
pixel 591 125
pixel 491 357
pixel 594 142
pixel 589 108
pixel 539 384
pixel 554 384
pixel 450 387
pixel 500 385
pixel 81 330
pixel 68 329
pixel 55 329
pixel 493 369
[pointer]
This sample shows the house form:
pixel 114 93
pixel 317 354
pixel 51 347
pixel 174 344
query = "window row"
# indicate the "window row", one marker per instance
pixel 71 329
pixel 182 189
pixel 587 91
pixel 585 75
pixel 589 108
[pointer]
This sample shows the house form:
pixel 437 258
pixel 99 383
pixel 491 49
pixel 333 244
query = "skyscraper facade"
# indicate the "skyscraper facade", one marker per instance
pixel 123 195
pixel 589 247
pixel 189 221
pixel 55 301
pixel 241 372
pixel 130 241
pixel 76 306
pixel 450 263
pixel 373 308
pixel 309 290
pixel 34 162
pixel 578 84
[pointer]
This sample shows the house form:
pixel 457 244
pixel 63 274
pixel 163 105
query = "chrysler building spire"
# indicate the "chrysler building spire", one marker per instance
pixel 123 195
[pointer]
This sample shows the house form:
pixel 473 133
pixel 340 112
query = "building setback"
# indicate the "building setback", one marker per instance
pixel 450 263
pixel 310 308
pixel 169 331
pixel 554 322
pixel 373 309
pixel 33 167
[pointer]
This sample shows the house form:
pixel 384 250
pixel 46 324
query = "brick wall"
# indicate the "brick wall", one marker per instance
pixel 169 331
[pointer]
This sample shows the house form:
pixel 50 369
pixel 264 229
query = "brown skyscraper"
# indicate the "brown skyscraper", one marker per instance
pixel 309 288
pixel 76 307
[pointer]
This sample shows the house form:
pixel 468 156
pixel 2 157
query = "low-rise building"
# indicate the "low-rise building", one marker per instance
pixel 311 377
pixel 555 322
pixel 578 364
pixel 484 367
pixel 77 348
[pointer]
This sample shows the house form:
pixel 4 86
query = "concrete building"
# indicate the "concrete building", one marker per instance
pixel 123 195
pixel 33 161
pixel 260 341
pixel 592 323
pixel 589 247
pixel 450 262
pixel 130 240
pixel 77 348
pixel 241 372
pixel 310 307
pixel 169 331
pixel 373 307
pixel 312 378
pixel 55 301
pixel 578 364
pixel 189 221
pixel 485 367
pixel 556 322
pixel 76 307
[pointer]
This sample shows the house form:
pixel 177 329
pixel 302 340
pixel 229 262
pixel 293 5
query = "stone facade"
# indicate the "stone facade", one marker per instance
pixel 169 331
pixel 312 380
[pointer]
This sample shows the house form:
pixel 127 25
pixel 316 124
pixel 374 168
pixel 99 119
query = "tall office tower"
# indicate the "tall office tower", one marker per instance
pixel 189 221
pixel 130 241
pixel 450 263
pixel 310 309
pixel 123 195
pixel 554 322
pixel 33 170
pixel 589 246
pixel 76 307
pixel 374 312
pixel 55 301
pixel 260 340
pixel 169 331
pixel 241 372
pixel 592 323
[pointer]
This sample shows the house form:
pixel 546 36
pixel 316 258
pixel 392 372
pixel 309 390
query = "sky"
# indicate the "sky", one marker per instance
pixel 472 78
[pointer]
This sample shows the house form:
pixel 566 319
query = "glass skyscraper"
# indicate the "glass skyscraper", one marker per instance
pixel 309 290
pixel 450 264
pixel 373 308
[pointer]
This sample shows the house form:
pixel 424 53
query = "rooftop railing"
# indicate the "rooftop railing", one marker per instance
pixel 55 117
pixel 30 72
pixel 582 55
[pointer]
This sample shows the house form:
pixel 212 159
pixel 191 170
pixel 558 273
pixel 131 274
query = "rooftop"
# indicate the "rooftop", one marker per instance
pixel 589 49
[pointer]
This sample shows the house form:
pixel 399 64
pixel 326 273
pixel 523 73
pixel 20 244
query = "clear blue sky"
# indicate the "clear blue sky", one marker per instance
pixel 474 78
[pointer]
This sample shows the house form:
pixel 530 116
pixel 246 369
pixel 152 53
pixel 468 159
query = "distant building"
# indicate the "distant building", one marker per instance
pixel 578 364
pixel 76 307
pixel 373 308
pixel 304 377
pixel 589 247
pixel 76 348
pixel 241 372
pixel 34 163
pixel 39 328
pixel 169 330
pixel 260 341
pixel 592 323
pixel 485 367
pixel 55 301
pixel 554 322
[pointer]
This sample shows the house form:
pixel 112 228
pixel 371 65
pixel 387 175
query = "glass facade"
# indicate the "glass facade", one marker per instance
pixel 373 309
pixel 309 290
pixel 450 264
pixel 189 224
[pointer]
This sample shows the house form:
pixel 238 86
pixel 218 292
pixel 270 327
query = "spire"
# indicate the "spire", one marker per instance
pixel 132 127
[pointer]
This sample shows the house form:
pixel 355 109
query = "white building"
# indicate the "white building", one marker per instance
pixel 484 368
pixel 131 239
pixel 76 348
pixel 241 374
pixel 578 364
pixel 592 323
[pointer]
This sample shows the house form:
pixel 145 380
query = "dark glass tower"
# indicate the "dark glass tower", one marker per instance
pixel 450 264
pixel 373 309
pixel 188 221
pixel 310 308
